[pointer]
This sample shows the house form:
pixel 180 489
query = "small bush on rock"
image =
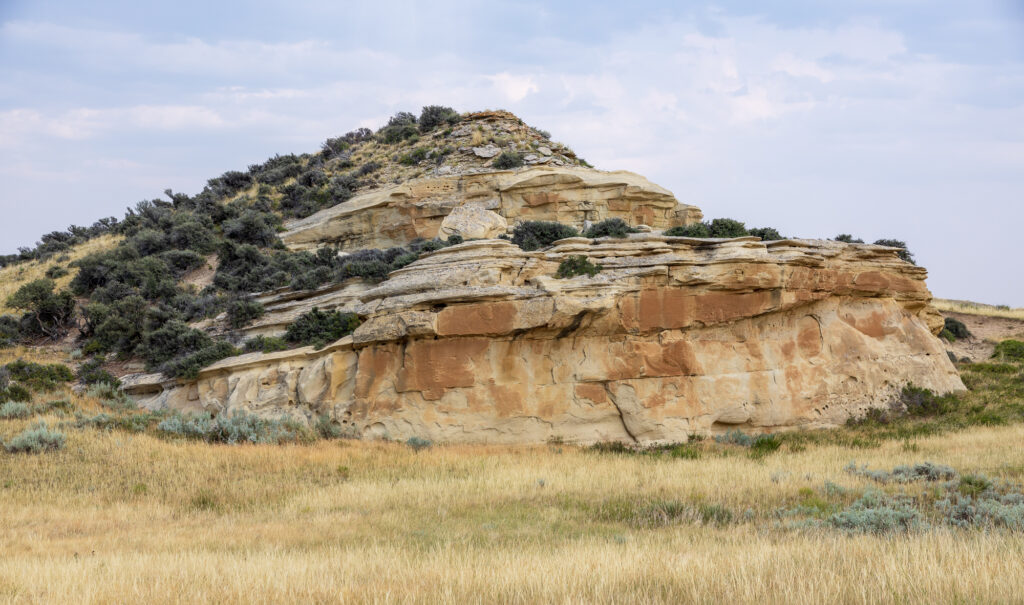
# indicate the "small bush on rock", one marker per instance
pixel 847 238
pixel 265 344
pixel 531 235
pixel 508 160
pixel 577 265
pixel 613 227
pixel 433 116
pixel 895 243
pixel 320 328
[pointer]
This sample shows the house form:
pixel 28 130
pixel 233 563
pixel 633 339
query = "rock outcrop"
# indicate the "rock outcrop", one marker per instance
pixel 395 215
pixel 478 342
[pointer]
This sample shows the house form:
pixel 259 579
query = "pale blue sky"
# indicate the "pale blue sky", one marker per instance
pixel 883 119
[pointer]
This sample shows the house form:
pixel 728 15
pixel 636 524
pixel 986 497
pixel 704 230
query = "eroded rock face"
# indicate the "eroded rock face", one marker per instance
pixel 394 216
pixel 676 336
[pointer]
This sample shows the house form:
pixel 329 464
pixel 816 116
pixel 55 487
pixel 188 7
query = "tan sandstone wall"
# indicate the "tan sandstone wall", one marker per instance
pixel 676 336
pixel 394 216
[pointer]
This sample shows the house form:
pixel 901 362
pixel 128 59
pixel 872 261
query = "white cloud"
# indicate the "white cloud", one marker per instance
pixel 513 88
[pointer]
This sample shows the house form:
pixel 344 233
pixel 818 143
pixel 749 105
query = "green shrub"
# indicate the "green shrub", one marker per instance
pixel 613 227
pixel 923 402
pixel 418 443
pixel 895 243
pixel 92 372
pixel 231 428
pixel 956 328
pixel 39 377
pixel 1009 350
pixel 764 445
pixel 35 440
pixel 414 157
pixel 46 313
pixel 735 437
pixel 767 234
pixel 56 271
pixel 531 235
pixel 847 238
pixel 433 116
pixel 320 328
pixel 242 312
pixel 14 409
pixel 876 513
pixel 576 265
pixel 947 335
pixel 265 344
pixel 694 230
pixel 508 160
pixel 15 392
pixel 727 228
pixel 10 331
pixel 400 127
pixel 188 366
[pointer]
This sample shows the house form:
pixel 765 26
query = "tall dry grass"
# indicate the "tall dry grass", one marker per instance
pixel 116 517
pixel 973 308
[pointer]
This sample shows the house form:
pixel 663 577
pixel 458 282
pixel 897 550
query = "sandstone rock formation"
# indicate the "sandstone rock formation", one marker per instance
pixel 395 215
pixel 676 336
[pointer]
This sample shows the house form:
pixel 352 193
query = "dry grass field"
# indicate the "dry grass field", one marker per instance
pixel 973 308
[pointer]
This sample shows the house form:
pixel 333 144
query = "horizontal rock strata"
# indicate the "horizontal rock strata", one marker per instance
pixel 478 342
pixel 394 216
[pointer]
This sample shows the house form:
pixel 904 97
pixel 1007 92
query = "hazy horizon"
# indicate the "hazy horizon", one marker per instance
pixel 881 119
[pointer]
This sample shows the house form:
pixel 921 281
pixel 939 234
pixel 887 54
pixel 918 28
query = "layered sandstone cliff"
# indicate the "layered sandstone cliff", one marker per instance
pixel 395 215
pixel 479 342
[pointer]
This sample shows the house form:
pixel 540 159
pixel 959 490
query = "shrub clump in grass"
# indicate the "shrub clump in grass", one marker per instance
pixel 39 377
pixel 532 235
pixel 1009 350
pixel 320 328
pixel 233 428
pixel 419 443
pixel 613 227
pixel 877 513
pixel 916 401
pixel 576 265
pixel 35 440
pixel 14 409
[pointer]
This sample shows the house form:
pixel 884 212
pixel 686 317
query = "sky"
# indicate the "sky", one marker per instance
pixel 898 119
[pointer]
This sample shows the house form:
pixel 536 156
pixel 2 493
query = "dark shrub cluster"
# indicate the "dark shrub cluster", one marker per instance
pixel 433 116
pixel 895 243
pixel 38 377
pixel 956 327
pixel 576 265
pixel 265 344
pixel 320 328
pixel 242 311
pixel 400 127
pixel 92 372
pixel 10 331
pixel 613 227
pixel 56 242
pixel 531 235
pixel 508 160
pixel 723 228
pixel 47 313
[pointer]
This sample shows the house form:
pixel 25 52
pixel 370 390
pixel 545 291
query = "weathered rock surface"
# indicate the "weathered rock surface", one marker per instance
pixel 473 222
pixel 396 215
pixel 676 336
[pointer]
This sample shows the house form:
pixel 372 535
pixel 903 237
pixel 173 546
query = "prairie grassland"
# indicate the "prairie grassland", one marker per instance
pixel 973 308
pixel 17 275
pixel 118 516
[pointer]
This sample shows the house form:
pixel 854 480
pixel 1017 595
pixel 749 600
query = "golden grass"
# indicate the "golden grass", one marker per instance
pixel 973 308
pixel 17 275
pixel 116 517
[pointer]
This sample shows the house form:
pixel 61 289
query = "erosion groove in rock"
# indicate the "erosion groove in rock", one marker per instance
pixel 393 216
pixel 478 342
